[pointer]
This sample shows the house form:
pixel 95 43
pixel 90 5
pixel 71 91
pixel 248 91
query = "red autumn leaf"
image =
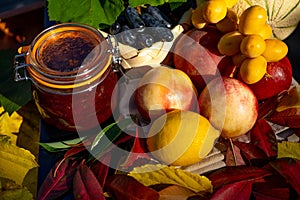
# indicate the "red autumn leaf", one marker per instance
pixel 121 186
pixel 232 174
pixel 289 117
pixel 78 148
pixel 74 151
pixel 297 131
pixel 273 187
pixel 252 153
pixel 138 150
pixel 261 196
pixel 86 185
pixel 100 168
pixel 267 107
pixel 289 168
pixel 238 190
pixel 232 160
pixel 59 180
pixel 263 136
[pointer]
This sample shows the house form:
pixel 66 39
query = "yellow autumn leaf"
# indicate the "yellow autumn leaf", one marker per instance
pixel 162 174
pixel 10 124
pixel 289 149
pixel 290 100
pixel 175 192
pixel 15 162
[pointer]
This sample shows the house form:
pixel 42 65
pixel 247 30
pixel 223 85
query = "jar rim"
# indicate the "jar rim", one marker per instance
pixel 98 61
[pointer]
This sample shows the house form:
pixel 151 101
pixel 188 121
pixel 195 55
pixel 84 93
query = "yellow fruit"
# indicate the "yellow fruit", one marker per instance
pixel 237 59
pixel 253 69
pixel 230 3
pixel 197 18
pixel 283 15
pixel 181 138
pixel 229 44
pixel 253 45
pixel 275 50
pixel 229 23
pixel 214 11
pixel 265 32
pixel 252 20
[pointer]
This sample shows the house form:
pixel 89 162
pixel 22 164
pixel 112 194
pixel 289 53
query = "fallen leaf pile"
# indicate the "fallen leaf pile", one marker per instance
pixel 15 162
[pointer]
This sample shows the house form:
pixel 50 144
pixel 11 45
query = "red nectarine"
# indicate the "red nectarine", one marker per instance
pixel 229 105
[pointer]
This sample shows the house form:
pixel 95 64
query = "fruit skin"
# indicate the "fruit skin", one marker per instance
pixel 163 89
pixel 197 18
pixel 279 78
pixel 253 69
pixel 196 53
pixel 252 20
pixel 275 50
pixel 253 45
pixel 229 105
pixel 214 11
pixel 181 138
pixel 229 44
pixel 229 23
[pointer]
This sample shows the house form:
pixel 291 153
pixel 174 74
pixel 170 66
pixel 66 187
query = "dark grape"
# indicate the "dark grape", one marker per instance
pixel 156 13
pixel 150 21
pixel 134 19
pixel 127 36
pixel 115 28
pixel 144 40
pixel 160 33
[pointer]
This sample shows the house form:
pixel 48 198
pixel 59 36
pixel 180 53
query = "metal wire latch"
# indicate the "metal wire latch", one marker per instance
pixel 20 72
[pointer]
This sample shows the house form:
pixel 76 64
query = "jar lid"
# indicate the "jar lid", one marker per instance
pixel 68 55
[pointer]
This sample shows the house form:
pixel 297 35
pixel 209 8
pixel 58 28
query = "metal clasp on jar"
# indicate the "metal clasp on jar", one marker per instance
pixel 20 71
pixel 116 56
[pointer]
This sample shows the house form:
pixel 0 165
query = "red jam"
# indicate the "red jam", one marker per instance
pixel 73 83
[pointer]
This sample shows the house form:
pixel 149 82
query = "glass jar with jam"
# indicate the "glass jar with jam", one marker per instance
pixel 73 81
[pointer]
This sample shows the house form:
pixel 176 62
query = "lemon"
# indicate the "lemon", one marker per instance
pixel 283 15
pixel 181 138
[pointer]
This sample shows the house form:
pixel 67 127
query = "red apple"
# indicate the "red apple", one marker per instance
pixel 229 105
pixel 196 54
pixel 278 78
pixel 163 89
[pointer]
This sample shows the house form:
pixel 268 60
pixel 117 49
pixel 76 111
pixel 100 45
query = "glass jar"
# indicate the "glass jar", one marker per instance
pixel 70 66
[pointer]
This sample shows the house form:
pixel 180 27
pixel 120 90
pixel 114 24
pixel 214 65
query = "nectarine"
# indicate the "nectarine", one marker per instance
pixel 196 53
pixel 229 105
pixel 163 89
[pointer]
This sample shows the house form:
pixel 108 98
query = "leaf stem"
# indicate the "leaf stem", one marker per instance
pixel 233 152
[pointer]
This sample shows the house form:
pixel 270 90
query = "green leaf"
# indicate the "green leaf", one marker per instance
pixel 61 145
pixel 289 149
pixel 90 12
pixel 9 105
pixel 135 3
pixel 96 13
pixel 12 94
pixel 107 135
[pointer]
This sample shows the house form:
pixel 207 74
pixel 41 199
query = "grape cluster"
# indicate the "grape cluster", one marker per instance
pixel 141 28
